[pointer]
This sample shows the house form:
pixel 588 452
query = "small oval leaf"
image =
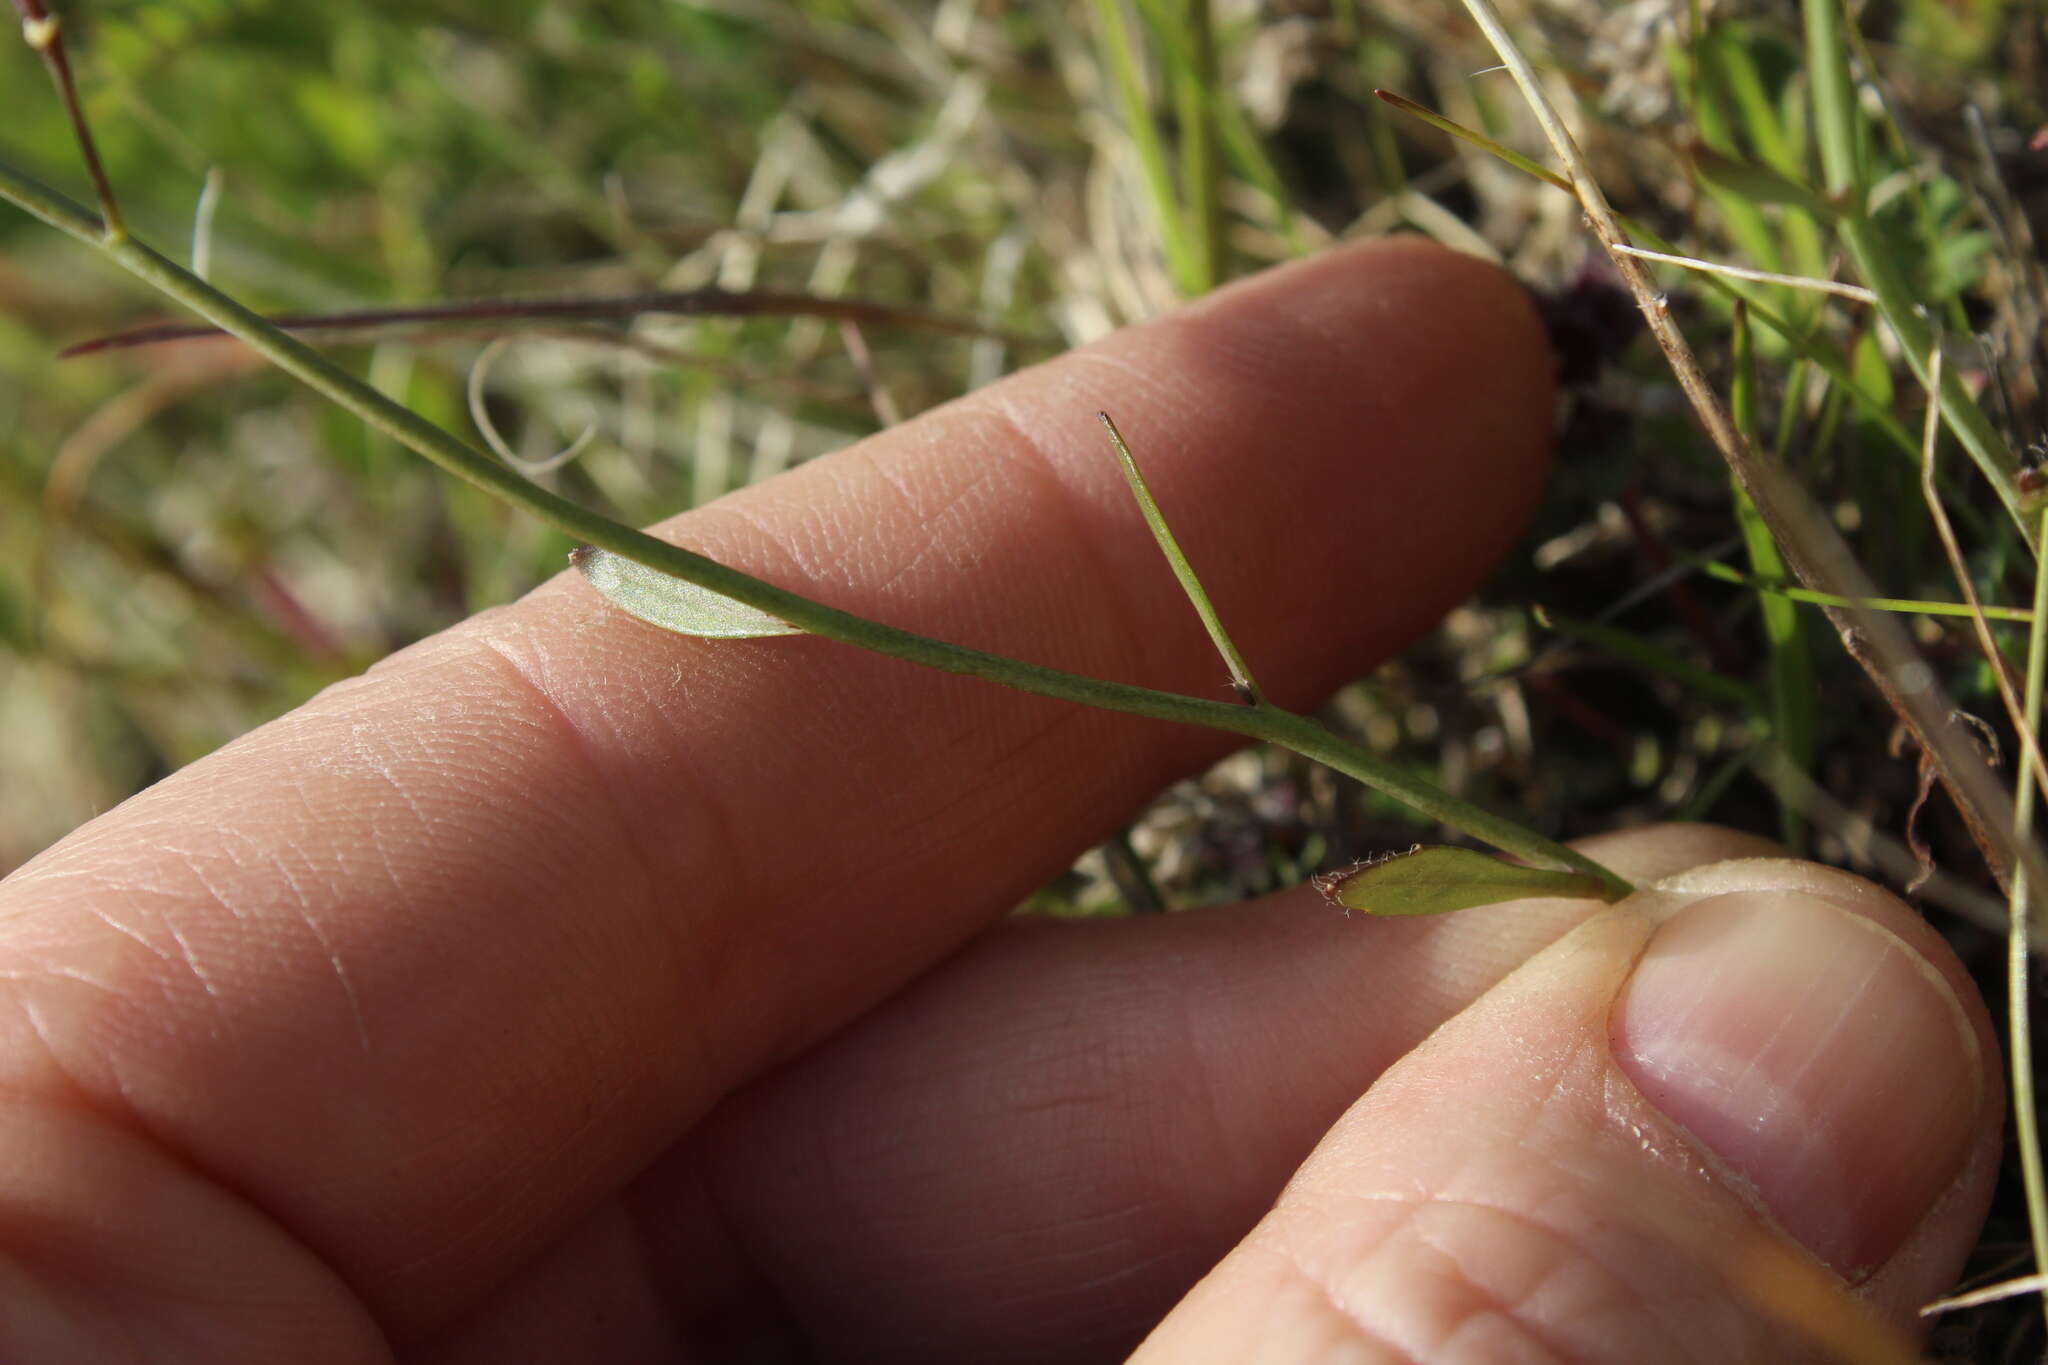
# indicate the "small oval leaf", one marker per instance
pixel 1438 879
pixel 673 603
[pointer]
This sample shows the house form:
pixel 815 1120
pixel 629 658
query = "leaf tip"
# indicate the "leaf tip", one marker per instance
pixel 1332 883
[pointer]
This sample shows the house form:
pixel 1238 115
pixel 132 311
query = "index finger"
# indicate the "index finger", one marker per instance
pixel 475 935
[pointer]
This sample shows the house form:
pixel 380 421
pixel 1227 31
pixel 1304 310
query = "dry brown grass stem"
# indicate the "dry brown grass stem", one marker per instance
pixel 2001 671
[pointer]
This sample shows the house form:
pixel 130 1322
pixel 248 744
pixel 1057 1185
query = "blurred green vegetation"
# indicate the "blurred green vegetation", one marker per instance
pixel 196 545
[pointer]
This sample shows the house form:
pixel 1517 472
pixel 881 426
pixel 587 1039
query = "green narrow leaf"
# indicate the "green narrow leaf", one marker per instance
pixel 1197 595
pixel 1437 879
pixel 1795 700
pixel 669 602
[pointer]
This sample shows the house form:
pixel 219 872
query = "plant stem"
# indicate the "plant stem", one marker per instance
pixel 1311 740
pixel 2019 997
pixel 1261 722
pixel 1799 336
pixel 1905 606
pixel 44 32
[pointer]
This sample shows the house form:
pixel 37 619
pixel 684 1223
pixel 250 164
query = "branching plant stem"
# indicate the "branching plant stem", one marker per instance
pixel 44 32
pixel 1262 721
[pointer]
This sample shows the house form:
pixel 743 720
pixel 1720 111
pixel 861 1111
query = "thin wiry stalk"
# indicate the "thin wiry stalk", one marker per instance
pixel 1905 606
pixel 44 32
pixel 2032 768
pixel 2019 909
pixel 708 302
pixel 1876 408
pixel 1743 272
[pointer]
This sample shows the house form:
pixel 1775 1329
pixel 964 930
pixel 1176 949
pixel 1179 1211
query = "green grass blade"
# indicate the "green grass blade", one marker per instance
pixel 1795 708
pixel 1120 55
pixel 1476 138
pixel 1904 606
pixel 1247 153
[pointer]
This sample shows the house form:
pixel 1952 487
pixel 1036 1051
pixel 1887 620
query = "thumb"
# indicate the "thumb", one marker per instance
pixel 1751 1079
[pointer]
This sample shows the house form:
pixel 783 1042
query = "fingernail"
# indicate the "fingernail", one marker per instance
pixel 1816 1055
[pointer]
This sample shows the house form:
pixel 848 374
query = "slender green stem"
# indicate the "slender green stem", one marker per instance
pixel 1837 124
pixel 1240 671
pixel 1905 606
pixel 1311 740
pixel 468 463
pixel 2019 996
pixel 1261 722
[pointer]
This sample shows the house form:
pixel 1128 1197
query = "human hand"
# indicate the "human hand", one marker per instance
pixel 565 990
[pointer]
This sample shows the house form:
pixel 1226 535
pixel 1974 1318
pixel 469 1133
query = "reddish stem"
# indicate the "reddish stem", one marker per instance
pixel 683 303
pixel 44 32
